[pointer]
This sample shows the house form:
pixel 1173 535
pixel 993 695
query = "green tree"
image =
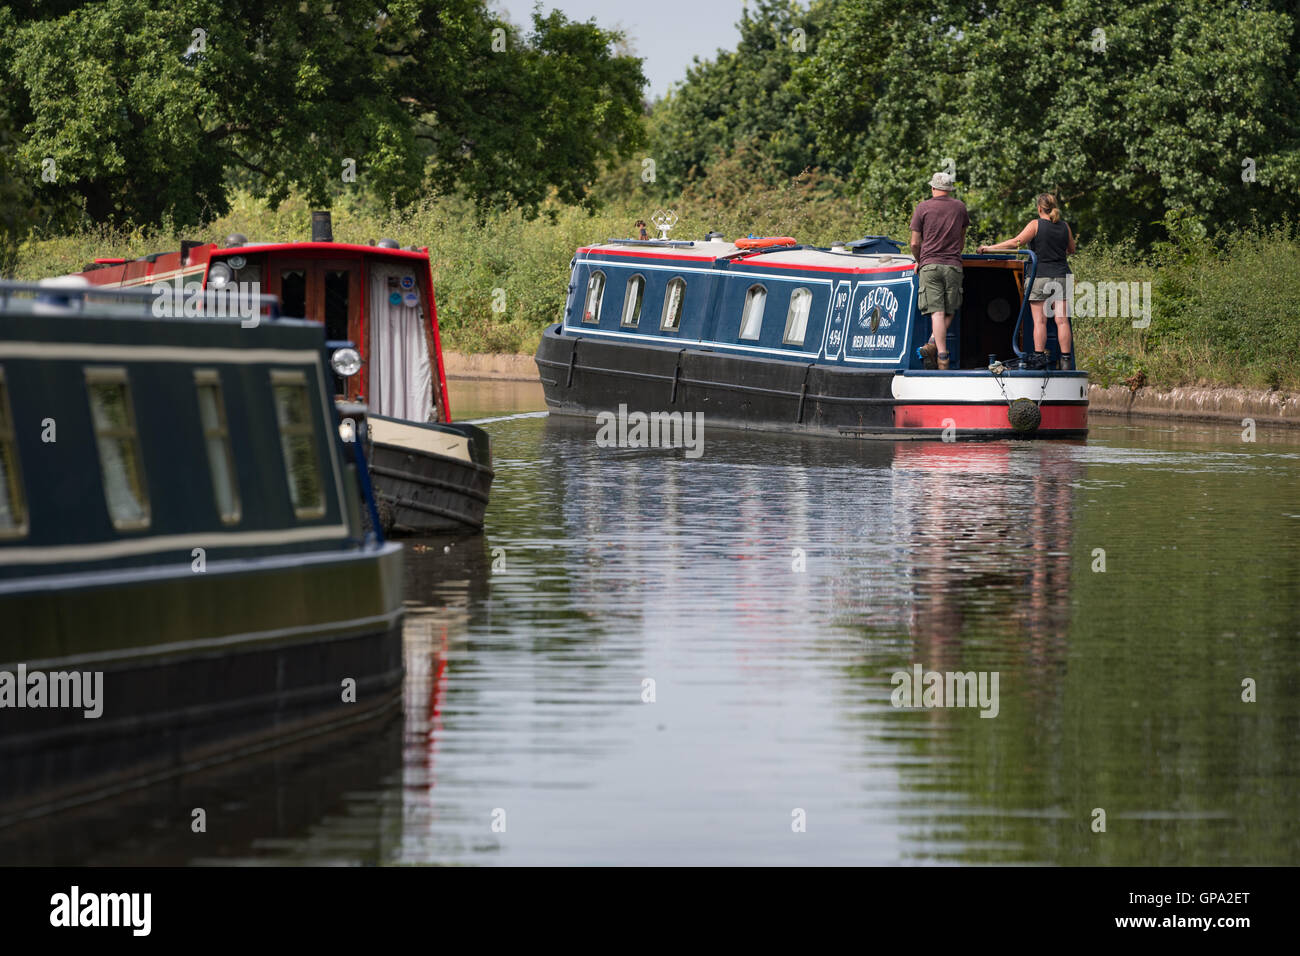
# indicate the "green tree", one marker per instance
pixel 147 112
pixel 743 98
pixel 19 209
pixel 509 115
pixel 1134 112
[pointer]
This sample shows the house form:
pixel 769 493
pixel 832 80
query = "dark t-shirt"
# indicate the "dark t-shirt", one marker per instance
pixel 1049 245
pixel 941 221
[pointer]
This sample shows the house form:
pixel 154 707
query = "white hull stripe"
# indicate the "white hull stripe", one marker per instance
pixel 984 388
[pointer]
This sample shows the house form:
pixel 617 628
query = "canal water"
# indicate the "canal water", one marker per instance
pixel 653 659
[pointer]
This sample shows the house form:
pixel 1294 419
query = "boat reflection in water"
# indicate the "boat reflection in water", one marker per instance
pixel 770 590
pixel 295 804
pixel 982 589
pixel 930 538
pixel 363 796
pixel 828 567
pixel 991 528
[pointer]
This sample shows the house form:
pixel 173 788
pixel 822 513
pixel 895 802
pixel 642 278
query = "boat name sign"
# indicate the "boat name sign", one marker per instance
pixel 878 309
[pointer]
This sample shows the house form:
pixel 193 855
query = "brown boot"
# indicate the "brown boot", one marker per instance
pixel 943 361
pixel 929 352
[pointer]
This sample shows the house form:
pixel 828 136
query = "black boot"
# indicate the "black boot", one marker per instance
pixel 1066 364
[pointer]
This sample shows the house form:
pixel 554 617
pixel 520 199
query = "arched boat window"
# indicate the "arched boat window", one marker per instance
pixel 113 415
pixel 293 411
pixel 13 510
pixel 595 292
pixel 751 317
pixel 632 299
pixel 216 436
pixel 796 319
pixel 673 298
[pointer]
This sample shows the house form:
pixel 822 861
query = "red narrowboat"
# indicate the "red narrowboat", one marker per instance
pixel 431 475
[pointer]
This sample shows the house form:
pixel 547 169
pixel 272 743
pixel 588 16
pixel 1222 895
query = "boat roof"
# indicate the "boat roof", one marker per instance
pixel 664 249
pixel 787 257
pixel 823 260
pixel 348 247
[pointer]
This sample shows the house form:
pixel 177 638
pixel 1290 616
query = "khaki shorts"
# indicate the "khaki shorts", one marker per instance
pixel 1040 291
pixel 940 289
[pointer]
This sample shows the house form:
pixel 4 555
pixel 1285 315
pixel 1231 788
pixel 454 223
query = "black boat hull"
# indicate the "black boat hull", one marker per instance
pixel 422 492
pixel 197 668
pixel 585 376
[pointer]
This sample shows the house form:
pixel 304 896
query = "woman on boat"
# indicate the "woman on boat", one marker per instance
pixel 1051 240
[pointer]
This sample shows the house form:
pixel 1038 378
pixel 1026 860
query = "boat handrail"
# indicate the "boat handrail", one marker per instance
pixel 1031 272
pixel 74 298
pixel 997 253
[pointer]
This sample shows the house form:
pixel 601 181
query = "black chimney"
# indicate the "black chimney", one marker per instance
pixel 321 229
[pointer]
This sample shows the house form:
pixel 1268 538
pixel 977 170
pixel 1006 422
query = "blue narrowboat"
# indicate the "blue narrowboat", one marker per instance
pixel 769 334
pixel 185 573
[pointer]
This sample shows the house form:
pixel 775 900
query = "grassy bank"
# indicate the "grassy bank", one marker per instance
pixel 1224 311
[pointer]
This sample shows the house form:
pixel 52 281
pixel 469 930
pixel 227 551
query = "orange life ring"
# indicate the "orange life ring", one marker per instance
pixel 765 241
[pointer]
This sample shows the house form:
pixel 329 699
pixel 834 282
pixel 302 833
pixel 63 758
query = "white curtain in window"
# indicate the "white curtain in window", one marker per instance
pixel 796 323
pixel 752 320
pixel 632 301
pixel 595 292
pixel 401 377
pixel 673 304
